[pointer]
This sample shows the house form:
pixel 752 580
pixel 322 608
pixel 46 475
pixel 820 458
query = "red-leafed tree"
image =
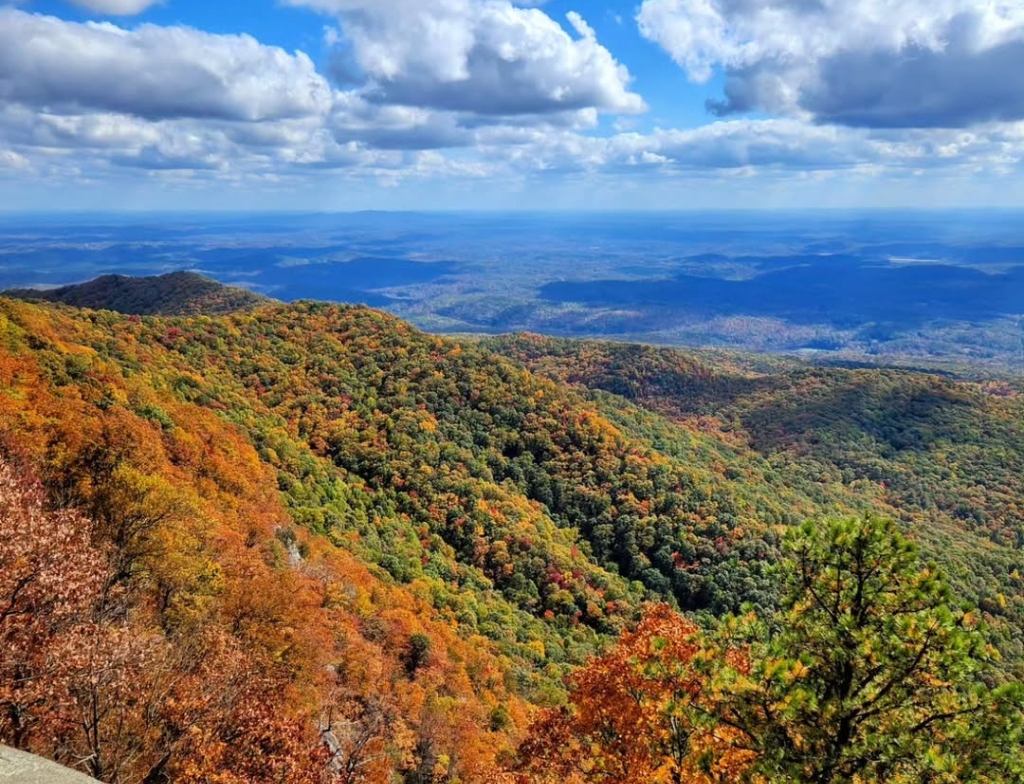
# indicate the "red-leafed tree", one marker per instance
pixel 111 697
pixel 50 579
pixel 73 686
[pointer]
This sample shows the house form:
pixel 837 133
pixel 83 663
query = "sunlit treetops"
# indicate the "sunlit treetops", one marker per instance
pixel 389 549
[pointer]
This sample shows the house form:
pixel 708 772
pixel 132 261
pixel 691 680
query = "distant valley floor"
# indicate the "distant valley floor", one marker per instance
pixel 933 290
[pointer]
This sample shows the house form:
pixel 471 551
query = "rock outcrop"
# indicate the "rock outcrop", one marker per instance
pixel 17 767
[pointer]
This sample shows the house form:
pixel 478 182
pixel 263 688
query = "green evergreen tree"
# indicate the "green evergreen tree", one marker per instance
pixel 870 672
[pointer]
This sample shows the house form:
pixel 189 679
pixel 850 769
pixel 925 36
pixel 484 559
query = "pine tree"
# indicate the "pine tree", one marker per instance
pixel 870 673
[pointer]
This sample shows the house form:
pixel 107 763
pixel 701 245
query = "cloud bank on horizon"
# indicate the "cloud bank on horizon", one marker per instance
pixel 467 103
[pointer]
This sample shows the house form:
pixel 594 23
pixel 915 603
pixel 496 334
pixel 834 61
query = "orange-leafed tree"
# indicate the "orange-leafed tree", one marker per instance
pixel 639 713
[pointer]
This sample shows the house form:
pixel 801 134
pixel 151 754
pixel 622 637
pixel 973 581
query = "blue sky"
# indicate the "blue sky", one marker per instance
pixel 508 104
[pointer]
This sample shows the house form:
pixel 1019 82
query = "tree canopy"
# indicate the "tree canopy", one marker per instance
pixel 869 672
pixel 312 537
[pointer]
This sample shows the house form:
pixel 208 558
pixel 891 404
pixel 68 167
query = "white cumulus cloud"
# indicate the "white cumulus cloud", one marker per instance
pixel 472 89
pixel 152 72
pixel 490 57
pixel 872 63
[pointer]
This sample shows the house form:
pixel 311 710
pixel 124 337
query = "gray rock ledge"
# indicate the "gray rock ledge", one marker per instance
pixel 17 767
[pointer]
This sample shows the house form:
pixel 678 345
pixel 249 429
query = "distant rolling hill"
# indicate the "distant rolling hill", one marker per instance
pixel 174 294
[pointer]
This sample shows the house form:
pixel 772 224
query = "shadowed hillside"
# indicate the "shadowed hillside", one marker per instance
pixel 174 294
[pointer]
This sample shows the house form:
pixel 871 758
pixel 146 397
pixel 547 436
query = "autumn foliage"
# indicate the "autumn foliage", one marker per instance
pixel 50 581
pixel 642 712
pixel 868 674
pixel 308 542
pixel 85 680
pixel 165 620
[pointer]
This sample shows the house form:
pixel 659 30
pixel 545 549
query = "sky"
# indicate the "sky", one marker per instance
pixel 236 105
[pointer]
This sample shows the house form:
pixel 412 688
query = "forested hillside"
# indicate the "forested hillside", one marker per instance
pixel 310 535
pixel 946 457
pixel 173 294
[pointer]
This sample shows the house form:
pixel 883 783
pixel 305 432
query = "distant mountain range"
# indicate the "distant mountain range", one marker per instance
pixel 933 289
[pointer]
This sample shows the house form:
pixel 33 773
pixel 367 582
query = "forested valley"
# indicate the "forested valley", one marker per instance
pixel 308 542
